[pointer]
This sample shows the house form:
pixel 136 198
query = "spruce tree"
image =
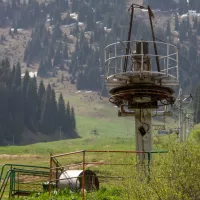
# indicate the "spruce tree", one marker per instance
pixel 53 116
pixel 176 23
pixel 25 83
pixel 61 112
pixel 41 90
pixel 31 105
pixel 42 69
pixel 73 119
pixel 45 126
pixel 65 52
pixel 17 78
pixel 41 93
pixel 183 7
pixel 57 57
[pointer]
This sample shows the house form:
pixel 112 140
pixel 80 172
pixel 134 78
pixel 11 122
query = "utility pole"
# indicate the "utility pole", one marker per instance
pixel 189 123
pixel 183 104
pixel 185 126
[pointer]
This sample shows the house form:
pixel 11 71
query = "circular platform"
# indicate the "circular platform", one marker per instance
pixel 142 95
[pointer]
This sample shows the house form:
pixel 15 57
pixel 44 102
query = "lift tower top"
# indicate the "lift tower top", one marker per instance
pixel 140 76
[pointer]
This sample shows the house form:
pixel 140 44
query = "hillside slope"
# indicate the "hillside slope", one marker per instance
pixel 71 39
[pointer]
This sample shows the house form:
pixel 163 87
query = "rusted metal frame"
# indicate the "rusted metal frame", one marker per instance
pixel 63 166
pixel 65 154
pixel 107 163
pixel 50 175
pixel 113 151
pixel 129 38
pixel 151 15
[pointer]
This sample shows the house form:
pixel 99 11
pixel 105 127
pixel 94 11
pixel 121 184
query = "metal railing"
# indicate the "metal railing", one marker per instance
pixel 22 179
pixel 167 55
pixel 84 162
pixel 4 183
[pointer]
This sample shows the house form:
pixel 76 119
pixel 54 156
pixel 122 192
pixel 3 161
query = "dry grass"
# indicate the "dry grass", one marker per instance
pixel 13 48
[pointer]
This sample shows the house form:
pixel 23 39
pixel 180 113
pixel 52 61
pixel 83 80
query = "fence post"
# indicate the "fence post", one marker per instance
pixel 83 176
pixel 50 175
pixel 11 181
pixel 149 161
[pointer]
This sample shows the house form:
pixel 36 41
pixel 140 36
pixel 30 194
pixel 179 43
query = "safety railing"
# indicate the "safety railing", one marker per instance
pixel 115 55
pixel 4 183
pixel 22 179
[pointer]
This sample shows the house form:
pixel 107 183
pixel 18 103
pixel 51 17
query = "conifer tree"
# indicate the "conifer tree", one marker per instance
pixel 53 116
pixel 31 105
pixel 46 112
pixel 65 52
pixel 61 111
pixel 73 120
pixel 25 83
pixel 183 7
pixel 42 69
pixel 17 78
pixel 41 93
pixel 176 23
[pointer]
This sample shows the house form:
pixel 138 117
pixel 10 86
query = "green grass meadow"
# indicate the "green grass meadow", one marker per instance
pixel 168 171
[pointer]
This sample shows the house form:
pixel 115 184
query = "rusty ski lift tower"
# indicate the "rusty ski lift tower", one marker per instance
pixel 139 82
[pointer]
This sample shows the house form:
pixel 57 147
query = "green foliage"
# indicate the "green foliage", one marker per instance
pixel 60 195
pixel 172 176
pixel 106 193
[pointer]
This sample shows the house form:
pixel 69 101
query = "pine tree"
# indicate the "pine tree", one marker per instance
pixel 42 69
pixel 195 23
pixel 61 112
pixel 25 83
pixel 46 113
pixel 57 33
pixel 57 57
pixel 80 82
pixel 183 7
pixel 31 105
pixel 176 23
pixel 74 5
pixel 73 119
pixel 17 78
pixel 67 126
pixel 41 90
pixel 53 118
pixel 65 52
pixel 41 93
pixel 3 111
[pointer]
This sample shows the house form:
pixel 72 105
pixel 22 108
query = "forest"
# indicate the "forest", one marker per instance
pixel 24 104
pixel 83 56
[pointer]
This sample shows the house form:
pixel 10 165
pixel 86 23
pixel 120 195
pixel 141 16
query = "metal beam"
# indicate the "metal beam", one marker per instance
pixel 129 37
pixel 151 15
